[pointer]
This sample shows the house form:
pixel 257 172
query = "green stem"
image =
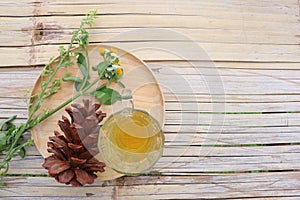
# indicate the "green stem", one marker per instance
pixel 29 141
pixel 40 96
pixel 73 98
pixel 68 101
pixel 36 100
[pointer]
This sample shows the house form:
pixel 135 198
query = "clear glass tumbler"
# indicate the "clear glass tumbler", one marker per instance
pixel 131 141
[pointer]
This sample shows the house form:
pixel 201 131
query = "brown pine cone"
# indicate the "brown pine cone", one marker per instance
pixel 72 160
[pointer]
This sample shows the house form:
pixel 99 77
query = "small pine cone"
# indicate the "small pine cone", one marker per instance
pixel 72 160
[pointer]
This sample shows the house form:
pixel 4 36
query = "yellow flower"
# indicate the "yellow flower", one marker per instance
pixel 102 51
pixel 119 71
pixel 116 62
pixel 113 50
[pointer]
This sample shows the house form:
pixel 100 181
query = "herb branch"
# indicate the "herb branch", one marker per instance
pixel 11 136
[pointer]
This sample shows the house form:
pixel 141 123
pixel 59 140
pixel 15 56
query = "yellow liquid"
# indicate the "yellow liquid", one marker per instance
pixel 130 143
pixel 135 134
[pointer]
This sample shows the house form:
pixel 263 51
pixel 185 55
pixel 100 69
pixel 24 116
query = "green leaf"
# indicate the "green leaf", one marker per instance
pixel 62 51
pixel 8 126
pixel 101 67
pixel 7 138
pixel 72 79
pixel 6 121
pixel 83 38
pixel 22 152
pixel 81 61
pixel 3 139
pixel 78 85
pixel 78 82
pixel 107 96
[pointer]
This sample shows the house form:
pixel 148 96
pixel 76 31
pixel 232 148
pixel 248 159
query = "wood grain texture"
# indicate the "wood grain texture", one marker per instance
pixel 230 75
pixel 207 186
pixel 191 159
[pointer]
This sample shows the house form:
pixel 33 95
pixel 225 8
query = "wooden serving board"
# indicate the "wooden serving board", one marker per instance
pixel 138 77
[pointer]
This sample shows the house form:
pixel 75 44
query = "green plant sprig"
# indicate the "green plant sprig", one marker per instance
pixel 11 136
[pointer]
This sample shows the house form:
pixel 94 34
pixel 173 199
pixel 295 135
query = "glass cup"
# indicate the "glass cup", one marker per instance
pixel 131 141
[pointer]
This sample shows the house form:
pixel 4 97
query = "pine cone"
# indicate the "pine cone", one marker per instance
pixel 72 160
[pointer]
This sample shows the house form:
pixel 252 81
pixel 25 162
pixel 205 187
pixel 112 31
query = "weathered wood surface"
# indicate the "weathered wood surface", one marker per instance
pixel 232 111
pixel 264 185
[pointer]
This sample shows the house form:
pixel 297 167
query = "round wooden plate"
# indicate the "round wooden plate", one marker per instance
pixel 138 77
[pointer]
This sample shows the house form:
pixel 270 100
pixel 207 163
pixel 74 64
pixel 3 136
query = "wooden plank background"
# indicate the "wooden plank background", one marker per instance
pixel 236 135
